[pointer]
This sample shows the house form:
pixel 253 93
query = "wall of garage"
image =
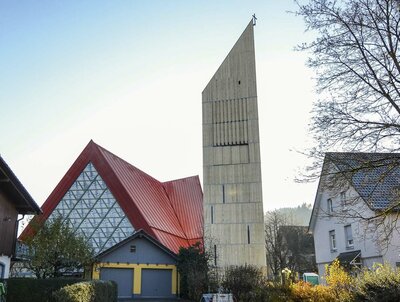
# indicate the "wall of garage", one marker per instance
pixel 140 268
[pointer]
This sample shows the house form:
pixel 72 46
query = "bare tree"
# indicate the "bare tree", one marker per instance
pixel 356 58
pixel 287 245
pixel 274 243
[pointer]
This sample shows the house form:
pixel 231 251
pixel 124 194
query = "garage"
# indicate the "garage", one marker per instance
pixel 123 277
pixel 156 283
pixel 141 266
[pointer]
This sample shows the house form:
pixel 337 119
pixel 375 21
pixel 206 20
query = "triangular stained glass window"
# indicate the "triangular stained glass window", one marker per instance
pixel 93 211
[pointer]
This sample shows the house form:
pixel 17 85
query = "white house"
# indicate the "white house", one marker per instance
pixel 355 213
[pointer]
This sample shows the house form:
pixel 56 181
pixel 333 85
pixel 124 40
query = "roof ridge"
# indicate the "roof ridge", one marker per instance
pixel 146 178
pixel 102 149
pixel 182 178
pixel 365 153
pixel 110 167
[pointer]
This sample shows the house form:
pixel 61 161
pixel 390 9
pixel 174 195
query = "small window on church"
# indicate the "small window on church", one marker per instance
pixel 133 248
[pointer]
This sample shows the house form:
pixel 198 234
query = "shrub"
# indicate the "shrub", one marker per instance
pixel 272 292
pixel 55 249
pixel 380 284
pixel 89 291
pixel 340 287
pixel 243 282
pixel 340 281
pixel 304 291
pixel 35 290
pixel 196 275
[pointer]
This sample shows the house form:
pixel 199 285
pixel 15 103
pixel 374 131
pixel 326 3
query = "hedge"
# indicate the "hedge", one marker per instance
pixel 89 291
pixel 35 290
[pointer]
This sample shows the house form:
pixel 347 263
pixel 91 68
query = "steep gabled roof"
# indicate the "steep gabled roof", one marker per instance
pixel 374 176
pixel 157 208
pixel 184 201
pixel 15 191
pixel 138 234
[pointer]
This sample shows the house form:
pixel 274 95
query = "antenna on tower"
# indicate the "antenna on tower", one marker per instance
pixel 254 19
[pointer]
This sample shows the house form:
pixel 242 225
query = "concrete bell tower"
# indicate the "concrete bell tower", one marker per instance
pixel 233 208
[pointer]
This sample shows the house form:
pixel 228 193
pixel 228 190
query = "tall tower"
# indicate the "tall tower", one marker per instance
pixel 233 208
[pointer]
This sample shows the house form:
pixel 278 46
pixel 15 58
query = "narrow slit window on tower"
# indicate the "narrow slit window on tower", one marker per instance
pixel 223 193
pixel 248 234
pixel 215 255
pixel 212 214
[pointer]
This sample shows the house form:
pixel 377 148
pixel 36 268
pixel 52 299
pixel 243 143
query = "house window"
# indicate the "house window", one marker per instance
pixel 330 206
pixel 348 235
pixel 2 270
pixel 343 198
pixel 133 248
pixel 332 239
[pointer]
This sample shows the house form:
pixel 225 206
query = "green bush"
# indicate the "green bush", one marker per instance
pixel 243 282
pixel 89 291
pixel 380 284
pixel 35 290
pixel 272 292
pixel 196 274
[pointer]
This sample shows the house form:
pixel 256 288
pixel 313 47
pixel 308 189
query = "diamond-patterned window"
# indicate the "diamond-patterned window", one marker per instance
pixel 92 211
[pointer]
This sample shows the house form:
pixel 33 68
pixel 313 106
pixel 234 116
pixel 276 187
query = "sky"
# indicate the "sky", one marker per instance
pixel 129 75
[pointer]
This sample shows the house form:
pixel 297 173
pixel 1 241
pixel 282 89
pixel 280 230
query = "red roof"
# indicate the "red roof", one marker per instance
pixel 171 212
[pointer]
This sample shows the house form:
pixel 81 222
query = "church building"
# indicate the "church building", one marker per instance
pixel 135 223
pixel 233 207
